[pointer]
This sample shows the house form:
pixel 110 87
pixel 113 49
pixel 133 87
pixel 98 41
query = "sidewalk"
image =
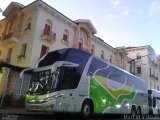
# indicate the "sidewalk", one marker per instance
pixel 14 110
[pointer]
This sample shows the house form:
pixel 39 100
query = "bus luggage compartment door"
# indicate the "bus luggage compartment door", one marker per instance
pixel 66 101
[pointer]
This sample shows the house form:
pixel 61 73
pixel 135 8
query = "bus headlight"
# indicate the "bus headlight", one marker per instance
pixel 32 101
pixel 103 100
pixel 48 98
pixel 127 104
pixel 41 101
pixel 118 106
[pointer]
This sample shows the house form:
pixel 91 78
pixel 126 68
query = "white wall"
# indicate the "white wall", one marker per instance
pixel 99 46
pixel 58 26
pixel 145 65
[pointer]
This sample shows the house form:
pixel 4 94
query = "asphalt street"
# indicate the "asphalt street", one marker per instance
pixel 9 113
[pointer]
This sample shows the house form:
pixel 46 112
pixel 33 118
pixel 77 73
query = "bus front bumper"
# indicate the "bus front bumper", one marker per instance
pixel 46 106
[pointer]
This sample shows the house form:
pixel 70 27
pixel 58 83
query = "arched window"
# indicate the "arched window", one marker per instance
pixel 48 28
pixel 44 50
pixel 138 56
pixel 102 54
pixel 28 23
pixel 110 60
pixel 80 44
pixel 66 35
pixel 92 49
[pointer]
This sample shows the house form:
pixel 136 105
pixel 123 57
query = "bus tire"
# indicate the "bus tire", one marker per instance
pixel 133 110
pixel 139 112
pixel 87 108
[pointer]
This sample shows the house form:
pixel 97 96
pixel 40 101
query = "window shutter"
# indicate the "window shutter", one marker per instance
pixel 47 29
pixel 65 37
pixel 43 51
pixel 80 45
pixel 138 70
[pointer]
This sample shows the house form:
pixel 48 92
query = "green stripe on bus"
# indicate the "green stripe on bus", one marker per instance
pixel 104 99
pixel 31 97
pixel 114 93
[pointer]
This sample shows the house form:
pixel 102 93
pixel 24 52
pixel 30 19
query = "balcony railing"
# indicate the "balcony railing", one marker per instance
pixel 9 37
pixel 7 60
pixel 49 36
pixel 153 77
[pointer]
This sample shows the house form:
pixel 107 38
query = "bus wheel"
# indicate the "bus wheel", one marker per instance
pixel 86 109
pixel 139 111
pixel 133 110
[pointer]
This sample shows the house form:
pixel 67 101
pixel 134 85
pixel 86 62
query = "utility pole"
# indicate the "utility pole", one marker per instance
pixel 132 66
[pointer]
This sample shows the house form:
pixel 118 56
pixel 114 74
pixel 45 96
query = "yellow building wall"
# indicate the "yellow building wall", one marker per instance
pixel 3 76
pixel 3 52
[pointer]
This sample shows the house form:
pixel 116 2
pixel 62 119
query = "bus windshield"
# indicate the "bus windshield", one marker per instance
pixel 43 82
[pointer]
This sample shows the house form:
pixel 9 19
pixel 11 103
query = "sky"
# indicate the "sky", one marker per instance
pixel 118 22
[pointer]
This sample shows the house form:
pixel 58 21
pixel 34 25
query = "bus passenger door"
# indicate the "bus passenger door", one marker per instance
pixel 67 99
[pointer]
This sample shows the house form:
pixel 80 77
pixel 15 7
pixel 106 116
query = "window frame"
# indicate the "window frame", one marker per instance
pixel 139 70
pixel 23 50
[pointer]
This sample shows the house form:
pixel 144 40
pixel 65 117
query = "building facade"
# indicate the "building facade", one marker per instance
pixel 29 32
pixel 146 65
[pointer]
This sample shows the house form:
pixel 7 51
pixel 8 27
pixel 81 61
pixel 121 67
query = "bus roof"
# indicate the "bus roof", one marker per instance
pixel 117 67
pixel 58 55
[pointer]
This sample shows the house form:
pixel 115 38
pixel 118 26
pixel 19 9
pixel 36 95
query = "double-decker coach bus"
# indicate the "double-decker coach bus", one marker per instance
pixel 71 80
pixel 154 102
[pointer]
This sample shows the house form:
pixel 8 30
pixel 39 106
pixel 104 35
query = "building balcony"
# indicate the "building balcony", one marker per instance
pixel 48 36
pixel 153 77
pixel 66 42
pixel 7 60
pixel 9 38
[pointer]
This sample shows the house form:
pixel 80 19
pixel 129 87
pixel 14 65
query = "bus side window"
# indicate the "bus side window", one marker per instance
pixel 70 78
pixel 95 65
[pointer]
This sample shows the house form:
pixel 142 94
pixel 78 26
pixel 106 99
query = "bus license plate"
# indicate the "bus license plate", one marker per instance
pixel 34 107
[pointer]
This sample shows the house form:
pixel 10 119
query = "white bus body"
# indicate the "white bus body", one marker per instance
pixel 71 80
